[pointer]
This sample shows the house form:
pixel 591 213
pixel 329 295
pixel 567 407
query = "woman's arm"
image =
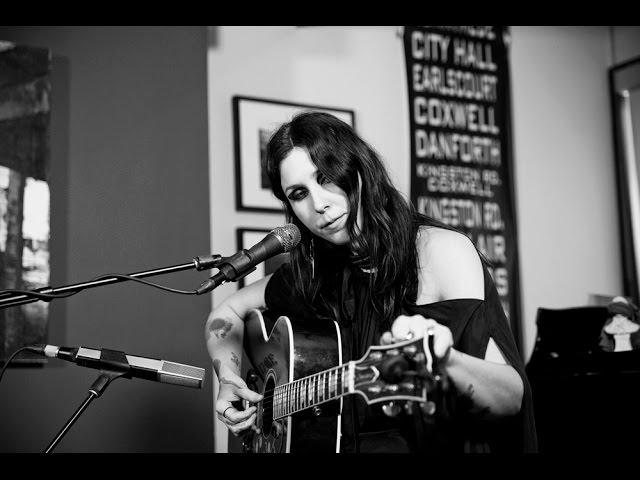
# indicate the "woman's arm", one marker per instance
pixel 224 332
pixel 451 268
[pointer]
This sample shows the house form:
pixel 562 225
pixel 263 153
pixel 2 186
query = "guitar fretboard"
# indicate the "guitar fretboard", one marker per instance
pixel 310 391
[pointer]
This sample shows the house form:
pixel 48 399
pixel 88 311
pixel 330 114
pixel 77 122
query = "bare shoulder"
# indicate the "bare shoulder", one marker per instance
pixel 449 264
pixel 444 244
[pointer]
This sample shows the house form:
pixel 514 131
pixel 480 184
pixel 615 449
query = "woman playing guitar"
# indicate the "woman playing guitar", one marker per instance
pixel 383 274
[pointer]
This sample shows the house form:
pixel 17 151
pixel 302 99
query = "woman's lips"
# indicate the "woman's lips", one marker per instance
pixel 335 224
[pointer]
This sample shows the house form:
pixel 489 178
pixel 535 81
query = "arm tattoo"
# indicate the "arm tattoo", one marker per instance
pixel 235 359
pixel 470 391
pixel 220 327
pixel 469 394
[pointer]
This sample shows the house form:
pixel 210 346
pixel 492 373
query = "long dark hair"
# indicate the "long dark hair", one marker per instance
pixel 386 243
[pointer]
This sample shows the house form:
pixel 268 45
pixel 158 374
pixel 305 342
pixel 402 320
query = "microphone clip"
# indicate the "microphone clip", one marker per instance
pixel 110 360
pixel 206 262
pixel 230 269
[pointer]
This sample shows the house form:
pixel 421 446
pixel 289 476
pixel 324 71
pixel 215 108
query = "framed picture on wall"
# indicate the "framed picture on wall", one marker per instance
pixel 255 120
pixel 25 109
pixel 248 237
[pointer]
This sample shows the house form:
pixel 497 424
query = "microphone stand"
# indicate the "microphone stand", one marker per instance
pixel 10 299
pixel 98 387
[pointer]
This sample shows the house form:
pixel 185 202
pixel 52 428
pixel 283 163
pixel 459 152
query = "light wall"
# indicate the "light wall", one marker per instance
pixel 563 151
pixel 564 169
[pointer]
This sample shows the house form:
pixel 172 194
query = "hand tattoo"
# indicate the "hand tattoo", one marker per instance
pixel 220 327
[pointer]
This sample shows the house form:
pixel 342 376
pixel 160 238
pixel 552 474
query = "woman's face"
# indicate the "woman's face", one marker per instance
pixel 318 203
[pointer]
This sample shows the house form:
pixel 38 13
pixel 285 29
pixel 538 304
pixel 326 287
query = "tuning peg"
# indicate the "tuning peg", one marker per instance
pixel 428 407
pixel 391 409
pixel 408 408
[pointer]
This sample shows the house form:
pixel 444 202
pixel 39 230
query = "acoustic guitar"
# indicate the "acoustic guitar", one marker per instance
pixel 303 380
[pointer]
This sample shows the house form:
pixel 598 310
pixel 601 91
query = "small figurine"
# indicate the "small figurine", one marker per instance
pixel 621 332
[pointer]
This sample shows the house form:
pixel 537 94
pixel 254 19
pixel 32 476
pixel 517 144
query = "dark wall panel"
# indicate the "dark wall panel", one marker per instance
pixel 129 192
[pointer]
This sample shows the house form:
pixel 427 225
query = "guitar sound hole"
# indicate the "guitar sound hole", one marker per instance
pixel 267 414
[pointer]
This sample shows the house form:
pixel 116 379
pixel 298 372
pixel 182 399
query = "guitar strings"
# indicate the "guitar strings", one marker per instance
pixel 301 395
pixel 315 377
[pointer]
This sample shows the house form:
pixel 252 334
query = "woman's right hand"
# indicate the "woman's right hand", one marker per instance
pixel 233 388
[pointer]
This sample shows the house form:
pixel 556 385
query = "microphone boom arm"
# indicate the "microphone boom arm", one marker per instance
pixel 10 299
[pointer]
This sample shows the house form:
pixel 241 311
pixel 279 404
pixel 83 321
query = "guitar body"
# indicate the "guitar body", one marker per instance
pixel 280 354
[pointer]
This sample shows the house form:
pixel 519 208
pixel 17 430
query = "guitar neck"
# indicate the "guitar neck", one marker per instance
pixel 313 390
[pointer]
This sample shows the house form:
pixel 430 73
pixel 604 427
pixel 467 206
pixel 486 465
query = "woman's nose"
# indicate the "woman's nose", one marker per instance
pixel 320 203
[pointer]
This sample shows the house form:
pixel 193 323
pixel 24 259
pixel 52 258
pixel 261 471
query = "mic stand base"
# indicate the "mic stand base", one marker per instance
pixel 98 386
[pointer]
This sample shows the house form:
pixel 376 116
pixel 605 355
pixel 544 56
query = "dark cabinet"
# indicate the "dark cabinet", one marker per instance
pixel 584 398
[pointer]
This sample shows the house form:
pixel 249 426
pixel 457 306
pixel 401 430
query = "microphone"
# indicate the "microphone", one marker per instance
pixel 233 268
pixel 140 367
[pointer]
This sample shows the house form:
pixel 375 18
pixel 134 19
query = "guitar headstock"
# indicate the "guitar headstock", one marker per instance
pixel 400 371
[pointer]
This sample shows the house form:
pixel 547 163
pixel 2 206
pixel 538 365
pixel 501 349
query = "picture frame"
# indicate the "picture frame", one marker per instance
pixel 248 237
pixel 255 120
pixel 25 195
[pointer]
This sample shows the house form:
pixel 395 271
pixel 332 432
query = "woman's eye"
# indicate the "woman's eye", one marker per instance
pixel 322 179
pixel 297 195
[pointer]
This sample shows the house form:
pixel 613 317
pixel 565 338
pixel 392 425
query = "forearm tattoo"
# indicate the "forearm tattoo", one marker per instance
pixel 469 394
pixel 220 327
pixel 235 359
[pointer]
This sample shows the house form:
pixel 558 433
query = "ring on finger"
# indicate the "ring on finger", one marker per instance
pixel 225 411
pixel 409 336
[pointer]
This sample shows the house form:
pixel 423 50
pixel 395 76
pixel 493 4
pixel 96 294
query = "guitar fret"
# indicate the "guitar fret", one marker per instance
pixel 325 384
pixel 275 402
pixel 304 393
pixel 314 390
pixel 295 396
pixel 333 384
pixel 300 395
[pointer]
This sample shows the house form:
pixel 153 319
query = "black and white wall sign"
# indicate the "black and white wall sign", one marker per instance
pixel 461 153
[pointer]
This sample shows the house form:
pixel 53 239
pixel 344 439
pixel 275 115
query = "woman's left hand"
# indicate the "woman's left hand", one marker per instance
pixel 406 327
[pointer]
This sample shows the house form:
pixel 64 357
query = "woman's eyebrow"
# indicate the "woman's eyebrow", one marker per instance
pixel 295 185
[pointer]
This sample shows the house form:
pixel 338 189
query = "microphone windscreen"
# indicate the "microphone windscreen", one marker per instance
pixel 289 236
